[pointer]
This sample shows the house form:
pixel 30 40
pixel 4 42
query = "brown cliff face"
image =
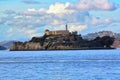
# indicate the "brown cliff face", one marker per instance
pixel 26 46
pixel 51 42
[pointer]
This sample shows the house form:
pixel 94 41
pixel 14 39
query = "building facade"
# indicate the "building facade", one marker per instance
pixel 57 32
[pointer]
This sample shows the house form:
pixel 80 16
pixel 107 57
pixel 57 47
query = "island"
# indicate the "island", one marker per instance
pixel 63 40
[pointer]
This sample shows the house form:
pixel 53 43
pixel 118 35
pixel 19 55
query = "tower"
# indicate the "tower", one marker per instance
pixel 47 32
pixel 66 27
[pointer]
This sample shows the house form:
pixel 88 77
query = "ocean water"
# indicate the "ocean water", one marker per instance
pixel 60 65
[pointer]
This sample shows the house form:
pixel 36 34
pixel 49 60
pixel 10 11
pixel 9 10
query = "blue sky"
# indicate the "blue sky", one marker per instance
pixel 23 19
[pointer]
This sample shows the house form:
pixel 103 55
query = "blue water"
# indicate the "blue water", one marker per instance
pixel 60 65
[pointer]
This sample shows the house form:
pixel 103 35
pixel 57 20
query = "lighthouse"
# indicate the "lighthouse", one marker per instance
pixel 66 27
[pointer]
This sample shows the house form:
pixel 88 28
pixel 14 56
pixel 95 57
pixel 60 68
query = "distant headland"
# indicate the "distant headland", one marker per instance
pixel 63 40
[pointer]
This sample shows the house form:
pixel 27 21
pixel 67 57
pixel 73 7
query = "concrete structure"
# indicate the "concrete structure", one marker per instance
pixel 57 32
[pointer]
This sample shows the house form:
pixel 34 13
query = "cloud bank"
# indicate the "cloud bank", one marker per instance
pixel 77 16
pixel 95 5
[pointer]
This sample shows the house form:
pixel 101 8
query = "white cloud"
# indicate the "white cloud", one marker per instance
pixel 3 20
pixel 108 20
pixel 97 21
pixel 16 17
pixel 9 12
pixel 55 22
pixel 59 8
pixel 42 10
pixel 31 2
pixel 29 32
pixel 94 5
pixel 77 27
pixel 31 10
pixel 10 30
pixel 57 15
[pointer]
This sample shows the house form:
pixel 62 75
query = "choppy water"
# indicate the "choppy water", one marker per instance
pixel 60 65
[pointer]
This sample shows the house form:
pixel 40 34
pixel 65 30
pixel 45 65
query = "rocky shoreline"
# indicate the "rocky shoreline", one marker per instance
pixel 67 49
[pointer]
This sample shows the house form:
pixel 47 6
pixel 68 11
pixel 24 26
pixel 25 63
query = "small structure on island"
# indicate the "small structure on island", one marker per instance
pixel 58 32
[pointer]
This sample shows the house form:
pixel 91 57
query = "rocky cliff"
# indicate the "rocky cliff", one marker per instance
pixel 63 42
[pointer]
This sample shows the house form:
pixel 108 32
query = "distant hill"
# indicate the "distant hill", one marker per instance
pixel 92 36
pixel 2 48
pixel 6 44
